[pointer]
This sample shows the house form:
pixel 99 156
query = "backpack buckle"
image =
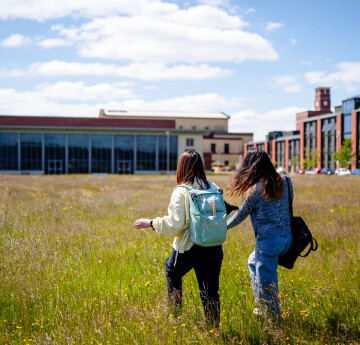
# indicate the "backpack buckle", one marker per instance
pixel 193 195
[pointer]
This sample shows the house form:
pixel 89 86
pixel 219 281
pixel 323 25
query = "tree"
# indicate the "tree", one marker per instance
pixel 345 155
pixel 310 159
pixel 294 162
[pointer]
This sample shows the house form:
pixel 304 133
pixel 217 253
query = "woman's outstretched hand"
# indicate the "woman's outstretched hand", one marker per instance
pixel 141 223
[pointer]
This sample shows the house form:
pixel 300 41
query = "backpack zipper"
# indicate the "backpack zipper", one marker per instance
pixel 214 224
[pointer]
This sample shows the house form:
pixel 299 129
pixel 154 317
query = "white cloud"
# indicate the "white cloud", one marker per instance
pixel 272 26
pixel 141 71
pixel 167 39
pixel 205 16
pixel 63 98
pixel 79 91
pixel 250 10
pixel 78 99
pixel 261 123
pixel 293 41
pixel 347 76
pixel 214 2
pixel 147 31
pixel 53 42
pixel 42 10
pixel 15 40
pixel 288 82
pixel 203 103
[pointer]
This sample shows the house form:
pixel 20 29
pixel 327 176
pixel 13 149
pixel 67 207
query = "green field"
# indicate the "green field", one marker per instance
pixel 74 271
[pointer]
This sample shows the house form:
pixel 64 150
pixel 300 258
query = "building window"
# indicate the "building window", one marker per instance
pixel 280 153
pixel 78 153
pixel 206 128
pixel 294 154
pixel 173 151
pixel 100 153
pixel 146 152
pixel 226 163
pixel 31 151
pixel 213 148
pixel 310 136
pixel 226 148
pixel 180 127
pixel 55 153
pixel 124 154
pixel 347 126
pixel 328 142
pixel 270 151
pixel 8 151
pixel 189 142
pixel 358 158
pixel 194 127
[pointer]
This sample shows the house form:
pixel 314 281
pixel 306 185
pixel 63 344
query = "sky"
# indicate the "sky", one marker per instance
pixel 258 61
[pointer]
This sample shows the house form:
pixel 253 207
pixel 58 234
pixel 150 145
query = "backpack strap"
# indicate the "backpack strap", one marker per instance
pixel 289 196
pixel 313 242
pixel 187 186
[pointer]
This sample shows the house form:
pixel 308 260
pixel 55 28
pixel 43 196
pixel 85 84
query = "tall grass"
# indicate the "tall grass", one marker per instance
pixel 74 271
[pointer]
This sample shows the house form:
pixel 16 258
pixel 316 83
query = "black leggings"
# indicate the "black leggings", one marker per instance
pixel 206 262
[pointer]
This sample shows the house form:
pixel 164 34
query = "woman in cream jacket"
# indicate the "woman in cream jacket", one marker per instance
pixel 185 255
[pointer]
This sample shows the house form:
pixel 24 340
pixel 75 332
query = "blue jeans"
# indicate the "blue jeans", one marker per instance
pixel 263 263
pixel 206 262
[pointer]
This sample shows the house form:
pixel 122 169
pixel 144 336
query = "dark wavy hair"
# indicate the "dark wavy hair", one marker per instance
pixel 190 166
pixel 256 166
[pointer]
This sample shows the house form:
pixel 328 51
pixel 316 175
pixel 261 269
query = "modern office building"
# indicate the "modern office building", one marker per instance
pixel 320 132
pixel 218 144
pixel 116 142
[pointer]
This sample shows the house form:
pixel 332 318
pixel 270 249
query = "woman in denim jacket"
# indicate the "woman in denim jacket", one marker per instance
pixel 265 196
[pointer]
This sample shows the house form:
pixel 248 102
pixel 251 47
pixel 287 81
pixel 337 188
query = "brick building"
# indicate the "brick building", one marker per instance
pixel 320 131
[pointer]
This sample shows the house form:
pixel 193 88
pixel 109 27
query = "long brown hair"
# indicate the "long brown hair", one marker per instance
pixel 257 166
pixel 190 165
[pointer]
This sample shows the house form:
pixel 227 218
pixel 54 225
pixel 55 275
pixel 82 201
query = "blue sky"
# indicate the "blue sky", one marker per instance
pixel 257 61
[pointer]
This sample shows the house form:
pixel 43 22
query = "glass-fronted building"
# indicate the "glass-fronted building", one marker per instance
pixel 54 145
pixel 320 133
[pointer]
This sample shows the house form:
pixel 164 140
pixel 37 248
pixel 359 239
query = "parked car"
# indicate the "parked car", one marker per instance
pixel 309 172
pixel 327 171
pixel 356 172
pixel 300 171
pixel 343 172
pixel 281 170
pixel 314 171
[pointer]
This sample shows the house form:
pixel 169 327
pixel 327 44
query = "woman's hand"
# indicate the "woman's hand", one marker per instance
pixel 141 223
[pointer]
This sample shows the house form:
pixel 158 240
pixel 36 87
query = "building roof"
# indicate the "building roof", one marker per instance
pixel 162 114
pixel 83 122
pixel 321 116
pixel 226 135
pixel 289 137
pixel 350 98
pixel 323 87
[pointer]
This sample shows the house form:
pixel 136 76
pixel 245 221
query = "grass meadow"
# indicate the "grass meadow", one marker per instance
pixel 74 271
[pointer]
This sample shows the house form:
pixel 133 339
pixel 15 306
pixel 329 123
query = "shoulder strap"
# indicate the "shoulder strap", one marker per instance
pixel 187 186
pixel 289 195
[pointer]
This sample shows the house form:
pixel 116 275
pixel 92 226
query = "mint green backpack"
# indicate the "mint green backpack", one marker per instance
pixel 207 225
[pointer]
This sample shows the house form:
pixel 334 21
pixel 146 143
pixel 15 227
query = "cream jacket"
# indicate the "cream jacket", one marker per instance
pixel 176 223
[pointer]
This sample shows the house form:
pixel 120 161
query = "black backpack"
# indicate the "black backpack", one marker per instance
pixel 302 237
